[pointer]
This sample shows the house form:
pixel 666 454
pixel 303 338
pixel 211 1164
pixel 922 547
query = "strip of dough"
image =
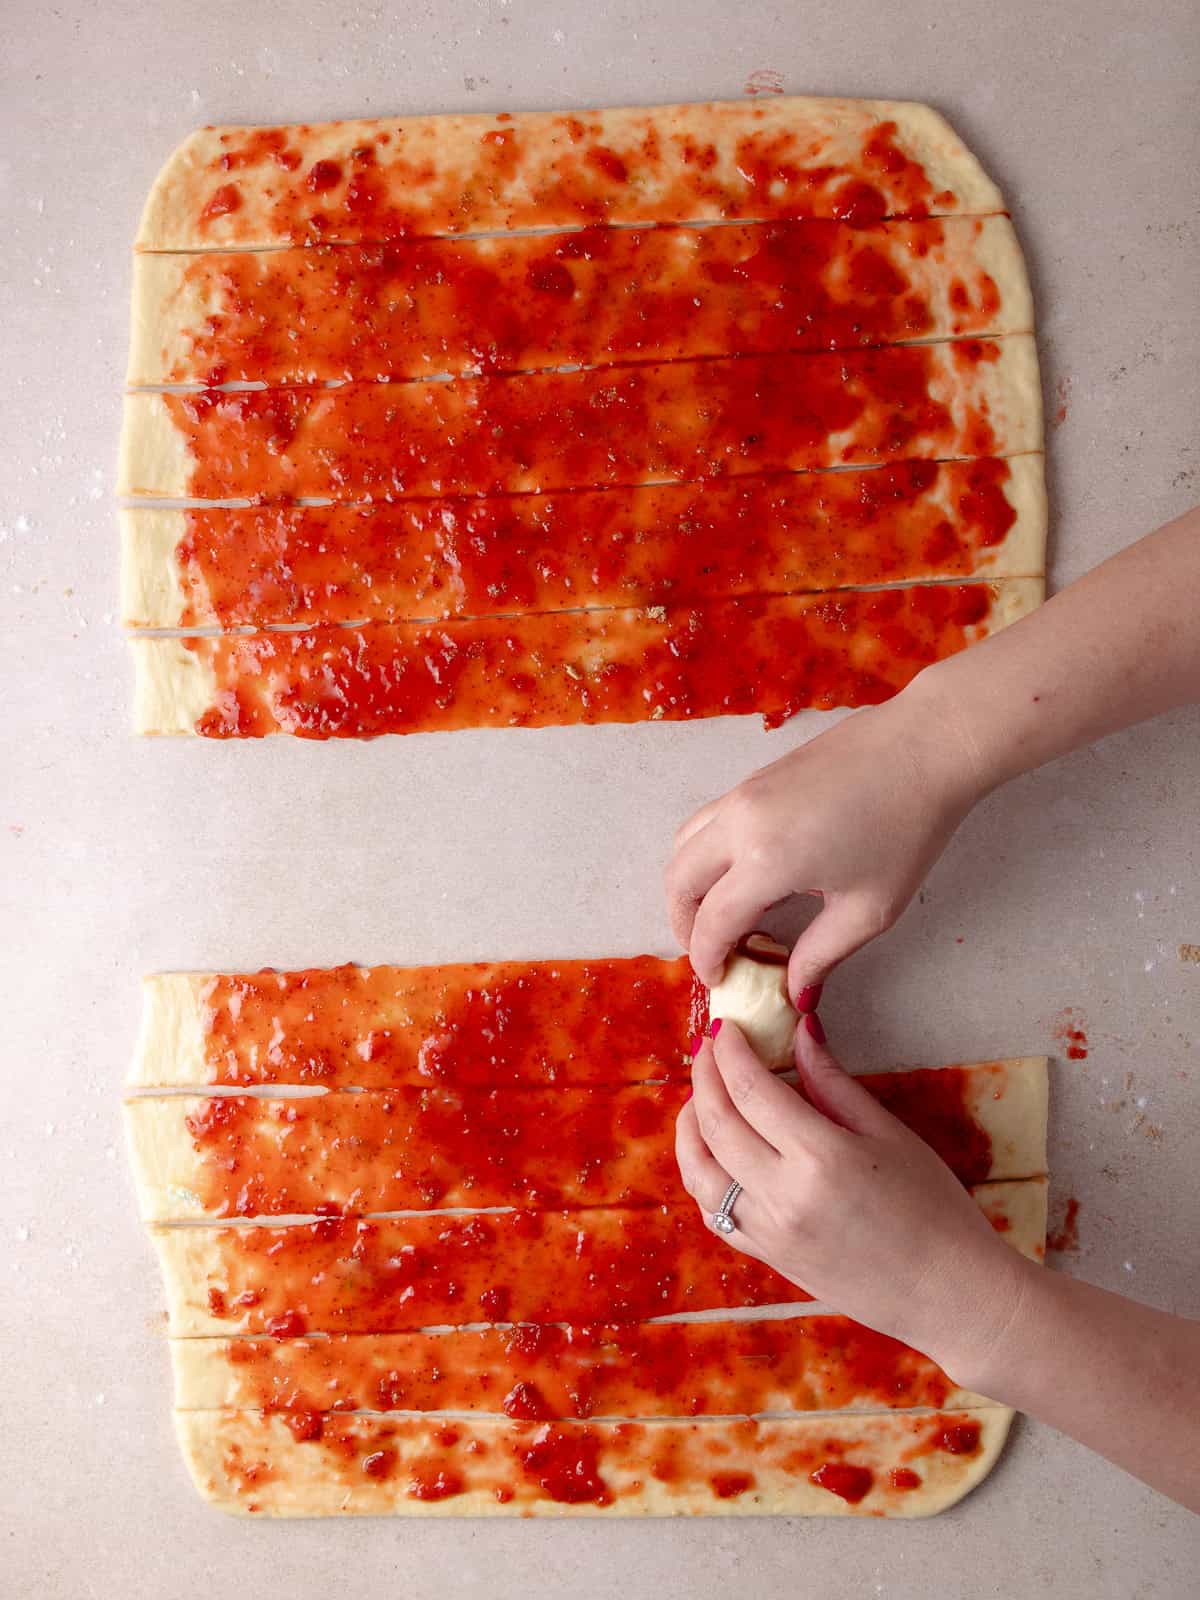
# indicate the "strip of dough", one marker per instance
pixel 561 430
pixel 437 558
pixel 985 1120
pixel 414 1148
pixel 773 655
pixel 380 178
pixel 893 1465
pixel 383 1275
pixel 536 1372
pixel 482 1023
pixel 404 1149
pixel 420 307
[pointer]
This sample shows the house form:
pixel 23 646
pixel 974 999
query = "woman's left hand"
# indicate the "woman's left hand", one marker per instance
pixel 841 1198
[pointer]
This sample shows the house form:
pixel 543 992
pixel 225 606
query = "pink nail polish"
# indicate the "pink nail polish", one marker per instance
pixel 815 1028
pixel 714 1027
pixel 697 1045
pixel 809 997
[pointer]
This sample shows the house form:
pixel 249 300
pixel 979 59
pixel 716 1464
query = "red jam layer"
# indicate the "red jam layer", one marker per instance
pixel 536 1372
pixel 596 1464
pixel 344 1276
pixel 416 307
pixel 475 556
pixel 408 1148
pixel 666 164
pixel 611 425
pixel 483 1024
pixel 772 655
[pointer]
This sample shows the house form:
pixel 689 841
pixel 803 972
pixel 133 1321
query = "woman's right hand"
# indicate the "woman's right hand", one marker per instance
pixel 857 817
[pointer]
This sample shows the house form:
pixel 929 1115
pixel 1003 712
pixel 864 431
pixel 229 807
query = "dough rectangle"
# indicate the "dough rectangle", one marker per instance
pixel 388 1274
pixel 895 1465
pixel 414 559
pixel 415 1148
pixel 420 307
pixel 773 655
pixel 482 1024
pixel 609 425
pixel 637 1370
pixel 379 178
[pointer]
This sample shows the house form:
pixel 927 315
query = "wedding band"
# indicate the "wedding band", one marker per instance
pixel 723 1216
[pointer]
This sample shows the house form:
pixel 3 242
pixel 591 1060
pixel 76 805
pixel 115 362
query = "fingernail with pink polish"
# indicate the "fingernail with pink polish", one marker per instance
pixel 809 997
pixel 714 1027
pixel 815 1028
pixel 697 1045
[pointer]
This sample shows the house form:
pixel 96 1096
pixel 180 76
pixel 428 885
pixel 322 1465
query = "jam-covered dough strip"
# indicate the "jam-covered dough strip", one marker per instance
pixel 419 307
pixel 606 425
pixel 657 544
pixel 382 178
pixel 536 1372
pixel 770 654
pixel 341 1275
pixel 481 1024
pixel 413 1148
pixel 890 1465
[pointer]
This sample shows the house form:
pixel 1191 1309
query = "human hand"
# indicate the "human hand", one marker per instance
pixel 842 1199
pixel 858 817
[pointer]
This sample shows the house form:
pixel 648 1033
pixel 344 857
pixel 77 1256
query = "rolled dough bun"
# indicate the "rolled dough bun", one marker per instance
pixel 753 993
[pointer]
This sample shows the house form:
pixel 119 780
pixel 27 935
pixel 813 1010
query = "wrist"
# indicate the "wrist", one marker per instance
pixel 946 739
pixel 977 1342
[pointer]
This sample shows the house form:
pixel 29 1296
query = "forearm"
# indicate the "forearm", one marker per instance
pixel 1120 1377
pixel 1120 645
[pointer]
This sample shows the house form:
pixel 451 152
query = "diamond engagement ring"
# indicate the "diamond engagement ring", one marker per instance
pixel 722 1217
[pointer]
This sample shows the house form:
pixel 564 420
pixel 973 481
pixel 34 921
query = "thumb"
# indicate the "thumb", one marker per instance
pixel 831 1089
pixel 841 928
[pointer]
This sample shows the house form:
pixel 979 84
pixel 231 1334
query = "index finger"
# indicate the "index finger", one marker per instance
pixel 689 875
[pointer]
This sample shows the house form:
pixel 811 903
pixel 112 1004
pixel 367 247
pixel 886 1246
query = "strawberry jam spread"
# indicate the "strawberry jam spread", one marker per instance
pixel 657 544
pixel 440 1147
pixel 376 181
pixel 467 1024
pixel 341 1275
pixel 534 1371
pixel 592 427
pixel 769 654
pixel 417 307
pixel 376 1463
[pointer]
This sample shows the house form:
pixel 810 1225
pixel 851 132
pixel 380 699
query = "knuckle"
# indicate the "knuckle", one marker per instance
pixel 710 1125
pixel 744 806
pixel 741 1085
pixel 880 912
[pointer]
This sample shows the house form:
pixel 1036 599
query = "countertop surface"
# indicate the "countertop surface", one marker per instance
pixel 1073 889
